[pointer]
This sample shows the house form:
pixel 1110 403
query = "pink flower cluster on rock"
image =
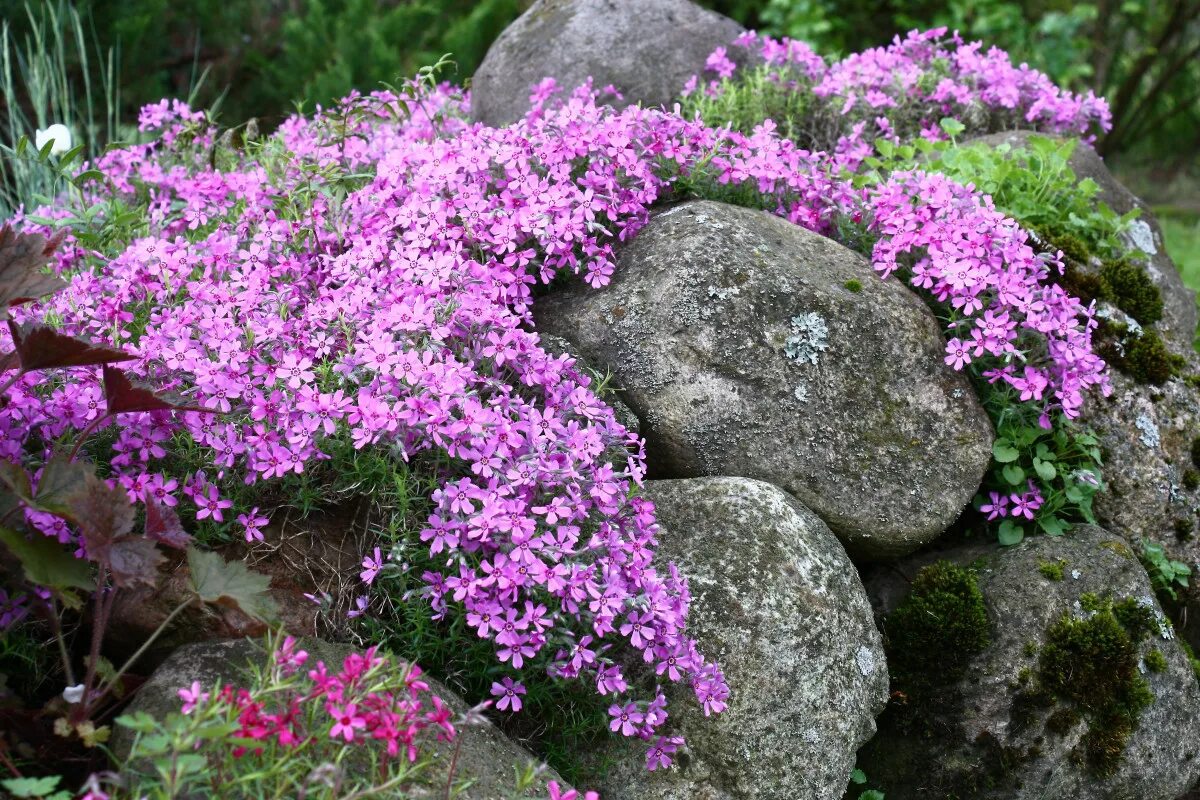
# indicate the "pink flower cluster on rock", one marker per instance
pixel 367 275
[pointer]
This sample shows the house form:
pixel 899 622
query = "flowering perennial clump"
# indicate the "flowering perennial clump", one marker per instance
pixel 366 276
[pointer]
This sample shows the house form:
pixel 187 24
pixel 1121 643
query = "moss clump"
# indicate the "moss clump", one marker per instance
pixel 942 623
pixel 853 285
pixel 1191 655
pixel 1052 570
pixel 1092 664
pixel 1184 526
pixel 1063 721
pixel 1130 287
pixel 1145 359
pixel 1155 660
pixel 1072 246
pixel 1191 479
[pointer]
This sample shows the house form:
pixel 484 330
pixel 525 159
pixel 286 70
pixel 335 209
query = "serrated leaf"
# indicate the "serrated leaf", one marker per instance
pixel 123 396
pixel 16 479
pixel 22 259
pixel 163 526
pixel 231 584
pixel 102 515
pixel 46 563
pixel 31 787
pixel 42 347
pixel 1004 453
pixel 134 560
pixel 138 721
pixel 62 479
pixel 1010 533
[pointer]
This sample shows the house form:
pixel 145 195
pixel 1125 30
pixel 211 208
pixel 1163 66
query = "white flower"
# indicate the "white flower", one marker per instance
pixel 73 694
pixel 57 133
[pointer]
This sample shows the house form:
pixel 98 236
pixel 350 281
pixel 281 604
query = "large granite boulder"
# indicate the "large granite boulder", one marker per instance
pixel 1147 436
pixel 1054 673
pixel 777 603
pixel 487 756
pixel 646 49
pixel 1180 316
pixel 750 346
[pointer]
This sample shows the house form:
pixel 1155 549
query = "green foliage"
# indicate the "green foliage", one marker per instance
pixel 857 788
pixel 1166 574
pixel 50 72
pixel 1092 664
pixel 44 788
pixel 754 96
pixel 1063 463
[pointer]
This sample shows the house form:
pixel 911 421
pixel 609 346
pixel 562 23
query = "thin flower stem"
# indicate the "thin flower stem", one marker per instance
pixel 141 650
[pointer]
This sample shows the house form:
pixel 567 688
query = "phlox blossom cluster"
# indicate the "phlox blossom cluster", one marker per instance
pixel 367 276
pixel 370 700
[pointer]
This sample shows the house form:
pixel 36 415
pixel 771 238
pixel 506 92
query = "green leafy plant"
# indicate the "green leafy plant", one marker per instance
pixel 858 787
pixel 1167 575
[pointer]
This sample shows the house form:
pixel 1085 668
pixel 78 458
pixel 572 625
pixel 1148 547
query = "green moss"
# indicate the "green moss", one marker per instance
pixel 1191 479
pixel 1092 664
pixel 1184 526
pixel 1063 721
pixel 1120 548
pixel 1071 245
pixel 1052 570
pixel 1155 660
pixel 1130 287
pixel 939 626
pixel 853 285
pixel 1145 359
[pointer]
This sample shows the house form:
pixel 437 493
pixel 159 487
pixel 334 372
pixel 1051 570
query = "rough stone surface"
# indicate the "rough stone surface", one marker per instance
pixel 487 755
pixel 1146 435
pixel 1178 325
pixel 740 347
pixel 984 739
pixel 776 601
pixel 647 49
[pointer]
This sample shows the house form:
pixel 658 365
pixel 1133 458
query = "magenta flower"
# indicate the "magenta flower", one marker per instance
pixel 509 694
pixel 346 721
pixel 625 719
pixel 192 697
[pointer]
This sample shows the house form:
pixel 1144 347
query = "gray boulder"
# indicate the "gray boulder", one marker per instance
pixel 647 49
pixel 487 757
pixel 1180 316
pixel 750 346
pixel 777 603
pixel 1074 629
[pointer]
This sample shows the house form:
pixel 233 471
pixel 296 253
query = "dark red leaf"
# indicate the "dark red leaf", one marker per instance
pixel 133 560
pixel 102 515
pixel 10 361
pixel 23 257
pixel 123 396
pixel 42 347
pixel 16 479
pixel 163 526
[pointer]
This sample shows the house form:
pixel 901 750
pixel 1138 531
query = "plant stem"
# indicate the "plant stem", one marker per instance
pixel 85 433
pixel 453 765
pixel 141 650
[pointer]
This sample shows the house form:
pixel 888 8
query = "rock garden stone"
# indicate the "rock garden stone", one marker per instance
pixel 1044 670
pixel 646 49
pixel 487 756
pixel 750 346
pixel 776 601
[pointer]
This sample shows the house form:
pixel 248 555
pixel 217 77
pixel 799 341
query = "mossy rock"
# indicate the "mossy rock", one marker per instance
pixel 1070 689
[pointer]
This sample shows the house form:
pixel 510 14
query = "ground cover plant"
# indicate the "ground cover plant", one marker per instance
pixel 343 308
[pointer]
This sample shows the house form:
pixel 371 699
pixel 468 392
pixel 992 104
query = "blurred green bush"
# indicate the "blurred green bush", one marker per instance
pixel 261 55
